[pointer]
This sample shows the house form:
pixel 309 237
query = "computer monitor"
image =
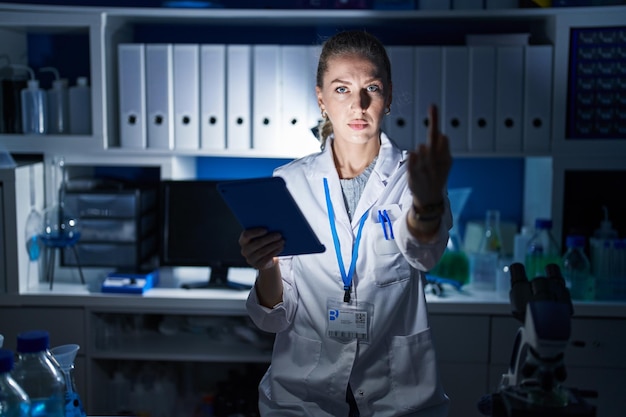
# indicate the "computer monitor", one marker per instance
pixel 198 229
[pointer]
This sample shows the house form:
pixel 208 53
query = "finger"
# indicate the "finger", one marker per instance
pixel 433 124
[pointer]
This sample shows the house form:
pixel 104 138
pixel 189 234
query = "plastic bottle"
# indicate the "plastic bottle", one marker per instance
pixel 80 107
pixel 39 375
pixel 484 263
pixel 577 269
pixel 542 250
pixel 58 103
pixel 34 106
pixel 14 402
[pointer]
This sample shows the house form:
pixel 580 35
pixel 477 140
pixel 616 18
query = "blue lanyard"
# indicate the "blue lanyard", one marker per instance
pixel 347 278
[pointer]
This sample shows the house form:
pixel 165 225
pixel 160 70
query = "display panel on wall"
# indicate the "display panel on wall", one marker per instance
pixel 597 83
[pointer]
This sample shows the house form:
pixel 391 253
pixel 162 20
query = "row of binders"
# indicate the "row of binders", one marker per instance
pixel 218 97
pixel 261 97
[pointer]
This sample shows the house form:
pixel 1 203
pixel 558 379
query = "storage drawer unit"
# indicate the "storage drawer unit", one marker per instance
pixel 118 227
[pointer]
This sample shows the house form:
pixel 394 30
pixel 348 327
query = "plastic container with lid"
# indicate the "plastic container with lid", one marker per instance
pixel 577 269
pixel 58 103
pixel 80 107
pixel 14 401
pixel 542 249
pixel 34 105
pixel 37 372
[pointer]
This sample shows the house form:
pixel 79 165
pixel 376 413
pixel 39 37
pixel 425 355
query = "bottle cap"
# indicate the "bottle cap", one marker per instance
pixel 575 241
pixel 605 231
pixel 81 81
pixel 6 360
pixel 33 84
pixel 543 224
pixel 33 341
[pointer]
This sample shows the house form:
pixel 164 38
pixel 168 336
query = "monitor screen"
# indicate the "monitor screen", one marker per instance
pixel 198 229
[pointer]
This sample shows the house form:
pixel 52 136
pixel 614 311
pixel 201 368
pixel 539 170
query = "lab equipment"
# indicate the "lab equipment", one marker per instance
pixel 80 107
pixel 542 249
pixel 61 229
pixel 202 234
pixel 533 384
pixel 454 263
pixel 34 105
pixel 65 355
pixel 39 375
pixel 14 402
pixel 577 269
pixel 484 263
pixel 608 261
pixel 58 103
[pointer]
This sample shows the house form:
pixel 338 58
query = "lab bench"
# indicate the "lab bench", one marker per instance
pixel 205 332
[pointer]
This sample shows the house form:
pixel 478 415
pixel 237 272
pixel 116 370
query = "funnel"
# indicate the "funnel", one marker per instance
pixel 458 198
pixel 65 354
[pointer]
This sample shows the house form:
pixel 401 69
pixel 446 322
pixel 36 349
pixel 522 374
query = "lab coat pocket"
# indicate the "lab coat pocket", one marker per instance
pixel 384 216
pixel 293 360
pixel 413 371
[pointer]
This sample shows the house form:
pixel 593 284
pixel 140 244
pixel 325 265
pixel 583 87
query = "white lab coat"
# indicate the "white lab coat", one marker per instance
pixel 395 374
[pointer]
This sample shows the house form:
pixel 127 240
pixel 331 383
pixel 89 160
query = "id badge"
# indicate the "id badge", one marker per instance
pixel 348 321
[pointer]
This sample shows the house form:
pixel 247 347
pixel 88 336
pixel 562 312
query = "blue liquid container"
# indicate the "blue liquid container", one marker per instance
pixel 542 250
pixel 39 375
pixel 14 402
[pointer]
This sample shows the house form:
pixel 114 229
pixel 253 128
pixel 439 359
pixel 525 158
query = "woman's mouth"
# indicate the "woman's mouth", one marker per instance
pixel 358 124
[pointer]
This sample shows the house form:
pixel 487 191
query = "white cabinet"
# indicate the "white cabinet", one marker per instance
pixel 462 346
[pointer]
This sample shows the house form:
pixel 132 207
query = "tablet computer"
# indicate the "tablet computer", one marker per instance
pixel 266 202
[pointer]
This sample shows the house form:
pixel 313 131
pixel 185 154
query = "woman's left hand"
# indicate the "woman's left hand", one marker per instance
pixel 429 165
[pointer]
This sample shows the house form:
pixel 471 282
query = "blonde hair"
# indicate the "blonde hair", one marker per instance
pixel 352 42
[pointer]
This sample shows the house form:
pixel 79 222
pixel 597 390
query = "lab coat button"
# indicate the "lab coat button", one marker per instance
pixel 361 393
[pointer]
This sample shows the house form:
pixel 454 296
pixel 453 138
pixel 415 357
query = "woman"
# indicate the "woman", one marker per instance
pixel 352 335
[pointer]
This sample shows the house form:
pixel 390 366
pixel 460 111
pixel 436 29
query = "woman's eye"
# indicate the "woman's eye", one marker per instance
pixel 373 88
pixel 341 90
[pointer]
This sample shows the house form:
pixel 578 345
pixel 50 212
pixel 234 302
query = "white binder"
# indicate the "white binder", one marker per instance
pixel 454 107
pixel 482 76
pixel 132 95
pixel 399 124
pixel 297 94
pixel 266 98
pixel 313 109
pixel 160 96
pixel 428 87
pixel 238 101
pixel 186 96
pixel 537 98
pixel 509 95
pixel 213 97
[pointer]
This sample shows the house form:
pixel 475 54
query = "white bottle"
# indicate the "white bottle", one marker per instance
pixel 34 106
pixel 80 107
pixel 58 104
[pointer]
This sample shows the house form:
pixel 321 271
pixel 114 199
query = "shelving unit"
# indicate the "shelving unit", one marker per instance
pixel 81 317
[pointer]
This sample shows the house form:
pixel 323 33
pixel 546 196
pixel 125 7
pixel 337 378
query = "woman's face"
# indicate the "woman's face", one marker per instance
pixel 354 97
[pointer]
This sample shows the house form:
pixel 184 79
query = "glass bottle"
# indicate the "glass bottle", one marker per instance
pixel 38 374
pixel 542 250
pixel 60 227
pixel 484 263
pixel 14 402
pixel 577 269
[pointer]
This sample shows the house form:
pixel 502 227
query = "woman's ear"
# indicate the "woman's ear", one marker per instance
pixel 318 93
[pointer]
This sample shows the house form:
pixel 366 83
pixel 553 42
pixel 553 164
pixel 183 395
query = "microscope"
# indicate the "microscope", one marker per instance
pixel 532 385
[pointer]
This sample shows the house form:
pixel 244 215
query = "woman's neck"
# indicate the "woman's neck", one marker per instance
pixel 351 159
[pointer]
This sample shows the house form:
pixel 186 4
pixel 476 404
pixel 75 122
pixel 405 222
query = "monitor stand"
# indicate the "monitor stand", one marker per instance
pixel 217 280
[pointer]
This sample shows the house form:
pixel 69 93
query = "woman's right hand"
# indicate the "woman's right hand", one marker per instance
pixel 260 248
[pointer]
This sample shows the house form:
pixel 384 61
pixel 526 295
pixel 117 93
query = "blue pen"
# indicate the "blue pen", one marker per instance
pixel 382 221
pixel 386 215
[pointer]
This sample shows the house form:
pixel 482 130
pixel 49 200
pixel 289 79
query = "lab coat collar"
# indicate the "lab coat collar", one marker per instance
pixel 390 159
